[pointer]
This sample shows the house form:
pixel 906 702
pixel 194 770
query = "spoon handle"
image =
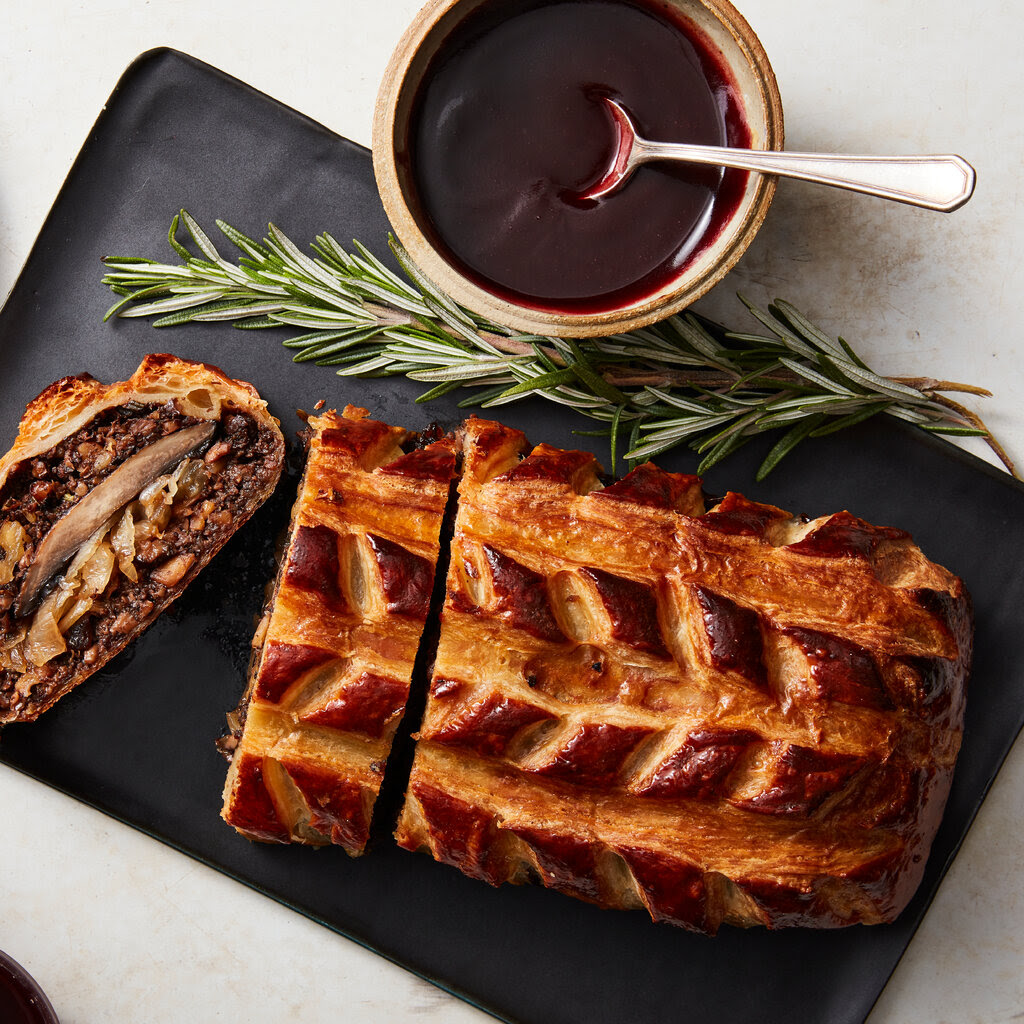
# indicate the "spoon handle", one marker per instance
pixel 942 182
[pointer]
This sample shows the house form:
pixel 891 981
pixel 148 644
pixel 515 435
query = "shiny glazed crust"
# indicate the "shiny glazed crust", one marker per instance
pixel 65 407
pixel 335 651
pixel 68 404
pixel 723 716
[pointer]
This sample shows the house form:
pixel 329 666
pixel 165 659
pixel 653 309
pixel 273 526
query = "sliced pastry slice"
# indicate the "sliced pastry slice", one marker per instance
pixel 334 653
pixel 112 500
pixel 718 715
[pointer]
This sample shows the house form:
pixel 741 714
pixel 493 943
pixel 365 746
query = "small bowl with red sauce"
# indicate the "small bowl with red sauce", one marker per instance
pixel 22 1001
pixel 491 125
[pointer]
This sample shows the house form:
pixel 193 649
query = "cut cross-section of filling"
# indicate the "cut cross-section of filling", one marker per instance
pixel 112 500
pixel 334 653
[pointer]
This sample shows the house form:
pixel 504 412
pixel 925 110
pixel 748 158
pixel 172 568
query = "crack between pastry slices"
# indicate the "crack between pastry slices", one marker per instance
pixel 399 763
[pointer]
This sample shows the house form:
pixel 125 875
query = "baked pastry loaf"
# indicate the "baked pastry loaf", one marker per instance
pixel 112 499
pixel 725 715
pixel 335 650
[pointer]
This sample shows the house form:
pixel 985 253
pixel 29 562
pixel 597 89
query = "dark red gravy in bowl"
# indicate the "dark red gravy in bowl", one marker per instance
pixel 508 129
pixel 21 1000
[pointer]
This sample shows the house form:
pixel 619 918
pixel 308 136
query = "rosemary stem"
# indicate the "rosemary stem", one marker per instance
pixel 685 380
pixel 976 421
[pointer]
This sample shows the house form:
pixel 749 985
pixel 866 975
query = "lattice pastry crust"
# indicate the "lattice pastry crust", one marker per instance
pixel 724 715
pixel 335 650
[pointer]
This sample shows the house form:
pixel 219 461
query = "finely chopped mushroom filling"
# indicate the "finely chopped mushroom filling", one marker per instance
pixel 132 564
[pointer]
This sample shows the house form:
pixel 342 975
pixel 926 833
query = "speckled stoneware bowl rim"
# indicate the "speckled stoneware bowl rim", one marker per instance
pixel 391 164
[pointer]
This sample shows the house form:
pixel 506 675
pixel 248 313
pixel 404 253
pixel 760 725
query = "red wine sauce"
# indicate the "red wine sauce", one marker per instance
pixel 508 129
pixel 21 1000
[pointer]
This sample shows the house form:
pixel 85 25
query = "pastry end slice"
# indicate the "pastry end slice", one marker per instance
pixel 112 499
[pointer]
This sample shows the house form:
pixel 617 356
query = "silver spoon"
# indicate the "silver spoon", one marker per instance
pixel 936 182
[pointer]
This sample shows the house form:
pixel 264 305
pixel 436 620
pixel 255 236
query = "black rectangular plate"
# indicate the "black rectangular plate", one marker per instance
pixel 137 740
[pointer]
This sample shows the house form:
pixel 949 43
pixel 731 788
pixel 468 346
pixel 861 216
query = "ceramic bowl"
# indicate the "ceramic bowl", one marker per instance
pixel 723 29
pixel 22 1001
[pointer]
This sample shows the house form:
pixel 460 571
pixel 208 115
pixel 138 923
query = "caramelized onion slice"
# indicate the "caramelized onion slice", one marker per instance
pixel 13 541
pixel 122 540
pixel 68 534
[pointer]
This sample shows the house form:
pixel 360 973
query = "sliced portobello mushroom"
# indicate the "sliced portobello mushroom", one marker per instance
pixel 121 487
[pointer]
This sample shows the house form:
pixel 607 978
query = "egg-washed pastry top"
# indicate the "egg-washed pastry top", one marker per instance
pixel 335 651
pixel 725 714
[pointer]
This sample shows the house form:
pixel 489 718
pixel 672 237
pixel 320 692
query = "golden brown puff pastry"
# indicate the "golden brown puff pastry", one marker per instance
pixel 724 715
pixel 112 499
pixel 335 651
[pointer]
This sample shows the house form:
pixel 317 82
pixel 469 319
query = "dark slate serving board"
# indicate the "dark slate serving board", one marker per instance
pixel 137 740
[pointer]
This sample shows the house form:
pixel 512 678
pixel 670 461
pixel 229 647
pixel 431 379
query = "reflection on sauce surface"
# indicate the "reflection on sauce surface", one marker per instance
pixel 509 128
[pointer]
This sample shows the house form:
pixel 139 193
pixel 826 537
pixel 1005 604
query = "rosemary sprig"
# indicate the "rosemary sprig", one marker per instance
pixel 685 379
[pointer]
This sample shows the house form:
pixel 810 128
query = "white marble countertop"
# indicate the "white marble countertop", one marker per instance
pixel 117 927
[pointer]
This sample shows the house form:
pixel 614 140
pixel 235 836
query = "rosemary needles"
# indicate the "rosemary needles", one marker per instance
pixel 684 380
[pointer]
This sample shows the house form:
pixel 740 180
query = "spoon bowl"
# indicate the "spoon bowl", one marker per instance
pixel 944 182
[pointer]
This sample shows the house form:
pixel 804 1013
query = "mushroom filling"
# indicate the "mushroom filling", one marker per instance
pixel 98 507
pixel 98 533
